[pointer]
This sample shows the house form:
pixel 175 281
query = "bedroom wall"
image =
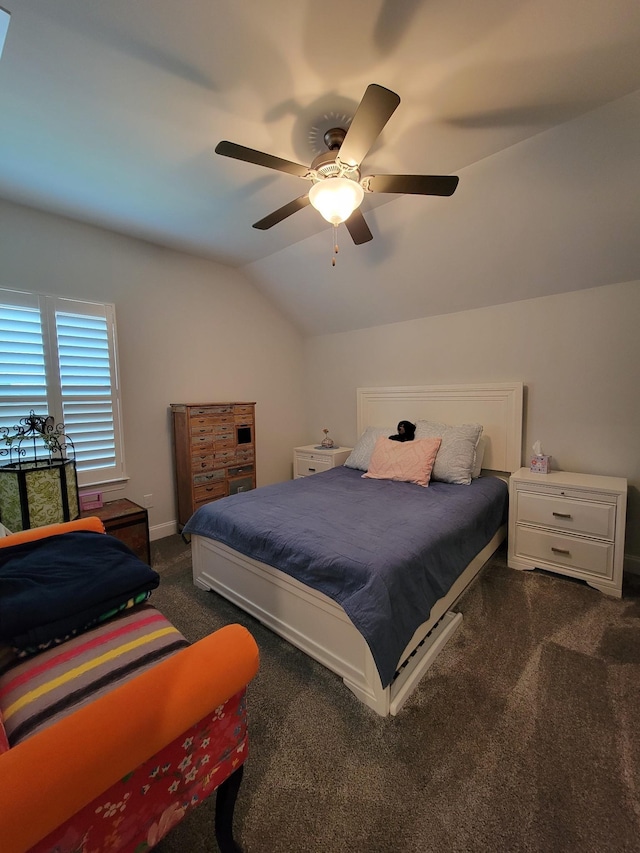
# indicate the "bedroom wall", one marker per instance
pixel 189 330
pixel 577 353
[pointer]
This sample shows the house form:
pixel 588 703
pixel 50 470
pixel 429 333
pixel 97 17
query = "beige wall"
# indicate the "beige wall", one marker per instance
pixel 577 353
pixel 189 330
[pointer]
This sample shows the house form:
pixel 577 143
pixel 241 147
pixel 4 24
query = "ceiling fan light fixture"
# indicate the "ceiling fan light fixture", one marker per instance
pixel 336 198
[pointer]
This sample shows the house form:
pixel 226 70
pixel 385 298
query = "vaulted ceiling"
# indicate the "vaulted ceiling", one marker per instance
pixel 111 112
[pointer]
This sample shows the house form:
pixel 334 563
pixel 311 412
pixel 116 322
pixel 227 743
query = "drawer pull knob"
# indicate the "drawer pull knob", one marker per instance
pixel 313 470
pixel 564 551
pixel 562 515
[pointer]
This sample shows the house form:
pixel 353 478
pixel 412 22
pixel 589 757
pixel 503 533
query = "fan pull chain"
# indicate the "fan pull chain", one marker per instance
pixel 335 245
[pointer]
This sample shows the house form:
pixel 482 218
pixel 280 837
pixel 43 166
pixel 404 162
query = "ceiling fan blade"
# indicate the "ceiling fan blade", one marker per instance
pixel 413 184
pixel 250 155
pixel 358 228
pixel 282 213
pixel 374 111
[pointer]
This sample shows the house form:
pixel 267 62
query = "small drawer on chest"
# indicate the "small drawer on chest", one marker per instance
pixel 202 462
pixel 589 518
pixel 202 442
pixel 209 411
pixel 243 412
pixel 210 491
pixel 208 477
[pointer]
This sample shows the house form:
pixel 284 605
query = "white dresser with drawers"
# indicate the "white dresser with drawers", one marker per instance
pixel 572 524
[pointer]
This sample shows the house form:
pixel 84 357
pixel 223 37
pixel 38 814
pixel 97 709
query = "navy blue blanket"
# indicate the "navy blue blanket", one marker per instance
pixel 54 586
pixel 385 551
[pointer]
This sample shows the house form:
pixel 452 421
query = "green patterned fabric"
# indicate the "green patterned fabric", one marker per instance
pixel 10 501
pixel 72 489
pixel 44 496
pixel 44 484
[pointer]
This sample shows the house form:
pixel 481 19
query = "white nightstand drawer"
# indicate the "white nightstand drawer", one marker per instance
pixel 306 464
pixel 588 517
pixel 584 555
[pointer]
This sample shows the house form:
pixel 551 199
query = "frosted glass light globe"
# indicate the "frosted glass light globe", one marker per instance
pixel 336 198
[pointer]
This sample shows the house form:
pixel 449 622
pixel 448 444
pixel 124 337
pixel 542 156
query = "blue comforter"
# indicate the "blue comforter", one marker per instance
pixel 385 551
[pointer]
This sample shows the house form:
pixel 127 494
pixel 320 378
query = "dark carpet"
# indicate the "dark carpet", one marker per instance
pixel 523 736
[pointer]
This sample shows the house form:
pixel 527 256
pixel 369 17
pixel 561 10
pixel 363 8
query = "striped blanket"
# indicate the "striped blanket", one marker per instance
pixel 40 690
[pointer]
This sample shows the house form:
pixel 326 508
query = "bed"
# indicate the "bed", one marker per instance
pixel 378 630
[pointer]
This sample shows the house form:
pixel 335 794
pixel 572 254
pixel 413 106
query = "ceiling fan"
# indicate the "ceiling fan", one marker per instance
pixel 338 187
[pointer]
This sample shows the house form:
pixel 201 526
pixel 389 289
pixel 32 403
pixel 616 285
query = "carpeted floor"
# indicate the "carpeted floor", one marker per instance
pixel 523 736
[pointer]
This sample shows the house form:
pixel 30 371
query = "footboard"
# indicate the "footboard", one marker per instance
pixel 320 628
pixel 304 617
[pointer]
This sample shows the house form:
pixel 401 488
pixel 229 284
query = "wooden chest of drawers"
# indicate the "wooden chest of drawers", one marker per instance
pixel 573 524
pixel 214 452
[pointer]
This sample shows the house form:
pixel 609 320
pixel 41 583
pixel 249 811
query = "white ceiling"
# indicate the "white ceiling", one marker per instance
pixel 111 110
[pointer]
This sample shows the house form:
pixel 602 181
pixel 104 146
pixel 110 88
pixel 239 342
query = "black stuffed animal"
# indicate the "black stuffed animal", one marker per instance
pixel 406 432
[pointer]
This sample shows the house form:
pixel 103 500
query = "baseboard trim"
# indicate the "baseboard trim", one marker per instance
pixel 159 531
pixel 632 564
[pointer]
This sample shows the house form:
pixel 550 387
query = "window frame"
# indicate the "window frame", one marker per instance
pixel 48 305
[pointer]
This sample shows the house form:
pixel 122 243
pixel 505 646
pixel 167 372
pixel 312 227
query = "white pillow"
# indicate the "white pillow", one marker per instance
pixel 480 448
pixel 456 458
pixel 361 453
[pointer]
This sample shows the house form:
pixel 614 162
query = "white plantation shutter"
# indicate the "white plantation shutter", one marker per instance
pixel 58 357
pixel 23 380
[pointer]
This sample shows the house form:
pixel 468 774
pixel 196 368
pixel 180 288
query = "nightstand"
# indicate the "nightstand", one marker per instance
pixel 572 524
pixel 309 460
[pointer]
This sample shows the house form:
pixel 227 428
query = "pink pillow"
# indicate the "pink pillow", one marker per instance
pixel 407 461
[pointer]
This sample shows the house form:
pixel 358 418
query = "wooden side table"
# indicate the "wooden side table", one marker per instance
pixel 128 522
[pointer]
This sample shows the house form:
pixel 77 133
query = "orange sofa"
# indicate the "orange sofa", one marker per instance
pixel 121 770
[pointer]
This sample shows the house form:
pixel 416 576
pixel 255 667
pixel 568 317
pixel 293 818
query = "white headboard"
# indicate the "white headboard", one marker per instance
pixel 497 406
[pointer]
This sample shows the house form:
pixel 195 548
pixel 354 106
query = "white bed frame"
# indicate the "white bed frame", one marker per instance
pixel 317 625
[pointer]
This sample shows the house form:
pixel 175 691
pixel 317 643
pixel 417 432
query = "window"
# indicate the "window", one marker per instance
pixel 58 357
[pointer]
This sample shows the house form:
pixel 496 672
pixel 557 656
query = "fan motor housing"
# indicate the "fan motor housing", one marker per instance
pixel 334 138
pixel 326 164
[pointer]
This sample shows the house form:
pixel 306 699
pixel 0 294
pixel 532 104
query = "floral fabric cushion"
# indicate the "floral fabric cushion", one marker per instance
pixel 408 461
pixel 138 811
